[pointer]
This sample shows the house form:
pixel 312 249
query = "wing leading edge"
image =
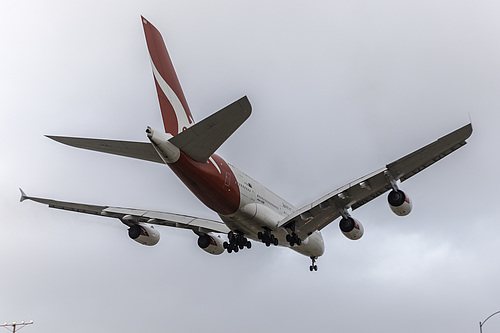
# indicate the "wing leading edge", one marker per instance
pixel 131 215
pixel 353 195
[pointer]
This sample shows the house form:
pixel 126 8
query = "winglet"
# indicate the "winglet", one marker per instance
pixel 23 195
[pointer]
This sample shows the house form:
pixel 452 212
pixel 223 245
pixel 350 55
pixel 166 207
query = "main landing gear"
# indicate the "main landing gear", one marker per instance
pixel 313 266
pixel 267 237
pixel 293 239
pixel 236 242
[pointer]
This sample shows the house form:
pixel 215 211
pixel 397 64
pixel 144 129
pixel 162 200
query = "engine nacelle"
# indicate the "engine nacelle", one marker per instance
pixel 399 202
pixel 211 244
pixel 144 234
pixel 351 228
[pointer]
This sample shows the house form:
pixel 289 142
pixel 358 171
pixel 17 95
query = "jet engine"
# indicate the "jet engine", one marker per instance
pixel 399 202
pixel 144 234
pixel 351 228
pixel 210 243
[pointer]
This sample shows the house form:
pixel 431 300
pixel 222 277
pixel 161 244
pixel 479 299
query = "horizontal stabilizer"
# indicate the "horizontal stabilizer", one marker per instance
pixel 139 150
pixel 202 139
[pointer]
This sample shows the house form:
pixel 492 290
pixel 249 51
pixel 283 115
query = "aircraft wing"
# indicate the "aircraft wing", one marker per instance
pixel 353 195
pixel 130 216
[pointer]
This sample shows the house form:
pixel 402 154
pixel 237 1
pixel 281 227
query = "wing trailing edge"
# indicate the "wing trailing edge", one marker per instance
pixel 133 215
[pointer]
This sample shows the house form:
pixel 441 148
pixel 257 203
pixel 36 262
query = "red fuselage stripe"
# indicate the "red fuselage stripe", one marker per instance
pixel 219 191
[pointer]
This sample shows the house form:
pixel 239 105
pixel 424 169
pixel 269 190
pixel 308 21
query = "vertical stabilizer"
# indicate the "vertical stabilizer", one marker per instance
pixel 174 108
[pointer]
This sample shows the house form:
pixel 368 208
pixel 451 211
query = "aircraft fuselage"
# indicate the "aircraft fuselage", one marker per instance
pixel 245 206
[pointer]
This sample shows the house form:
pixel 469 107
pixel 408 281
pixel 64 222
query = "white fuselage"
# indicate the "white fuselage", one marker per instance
pixel 261 208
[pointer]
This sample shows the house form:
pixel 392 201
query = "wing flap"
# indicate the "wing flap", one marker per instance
pixel 169 219
pixel 139 150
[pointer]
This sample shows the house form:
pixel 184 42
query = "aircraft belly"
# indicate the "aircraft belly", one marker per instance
pixel 312 246
pixel 247 227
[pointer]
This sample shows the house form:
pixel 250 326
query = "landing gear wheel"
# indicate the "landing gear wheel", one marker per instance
pixel 313 266
pixel 293 239
pixel 267 237
pixel 237 241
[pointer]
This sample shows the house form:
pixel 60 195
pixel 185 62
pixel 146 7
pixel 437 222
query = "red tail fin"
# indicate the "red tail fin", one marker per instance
pixel 174 108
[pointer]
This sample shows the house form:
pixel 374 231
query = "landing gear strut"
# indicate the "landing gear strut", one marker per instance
pixel 293 239
pixel 267 237
pixel 236 242
pixel 313 266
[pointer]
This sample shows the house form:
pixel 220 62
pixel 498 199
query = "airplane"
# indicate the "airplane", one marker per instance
pixel 247 209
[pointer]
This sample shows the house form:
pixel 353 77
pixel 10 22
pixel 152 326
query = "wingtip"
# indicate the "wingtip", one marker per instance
pixel 469 125
pixel 55 138
pixel 23 195
pixel 245 103
pixel 469 129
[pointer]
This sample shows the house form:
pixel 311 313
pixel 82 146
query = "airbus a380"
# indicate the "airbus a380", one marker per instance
pixel 248 210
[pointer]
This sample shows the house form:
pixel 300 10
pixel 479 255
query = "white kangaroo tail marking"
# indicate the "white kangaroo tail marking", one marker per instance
pixel 182 118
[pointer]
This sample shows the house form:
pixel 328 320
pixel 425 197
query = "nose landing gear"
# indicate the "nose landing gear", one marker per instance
pixel 313 266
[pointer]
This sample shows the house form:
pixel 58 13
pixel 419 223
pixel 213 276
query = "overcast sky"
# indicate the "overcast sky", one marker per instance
pixel 338 89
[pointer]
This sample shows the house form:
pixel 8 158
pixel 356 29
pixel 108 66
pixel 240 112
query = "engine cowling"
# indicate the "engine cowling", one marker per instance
pixel 351 228
pixel 144 234
pixel 211 244
pixel 399 202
